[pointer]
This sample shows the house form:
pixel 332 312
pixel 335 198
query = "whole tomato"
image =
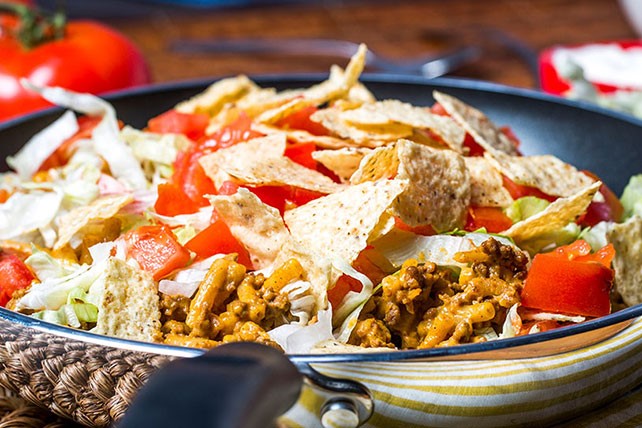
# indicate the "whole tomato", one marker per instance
pixel 83 56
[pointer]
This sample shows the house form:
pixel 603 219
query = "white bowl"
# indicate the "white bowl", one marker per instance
pixel 633 11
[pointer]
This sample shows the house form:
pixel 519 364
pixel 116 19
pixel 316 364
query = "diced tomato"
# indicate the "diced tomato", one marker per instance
pixel 237 131
pixel 15 276
pixel 191 178
pixel 491 218
pixel 173 201
pixel 508 132
pixel 301 120
pixel 538 326
pixel 474 149
pixel 192 125
pixel 610 209
pixel 425 230
pixel 63 153
pixel 343 286
pixel 302 154
pixel 227 188
pixel 218 239
pixel 4 195
pixel 438 109
pixel 156 250
pixel 283 197
pixel 519 191
pixel 570 280
pixel 346 283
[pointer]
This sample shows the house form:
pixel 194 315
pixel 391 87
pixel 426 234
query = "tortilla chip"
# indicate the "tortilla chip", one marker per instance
pixel 300 136
pixel 627 263
pixel 282 111
pixel 438 193
pixel 257 226
pixel 476 123
pixel 365 135
pixel 217 95
pixel 555 216
pixel 260 162
pixel 390 112
pixel 340 82
pixel 545 172
pixel 343 162
pixel 380 163
pixel 100 209
pixel 131 311
pixel 317 270
pixel 340 225
pixel 486 184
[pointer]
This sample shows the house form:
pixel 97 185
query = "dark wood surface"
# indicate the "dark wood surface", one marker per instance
pixel 510 33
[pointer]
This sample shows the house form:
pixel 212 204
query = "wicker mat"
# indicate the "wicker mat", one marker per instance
pixel 18 413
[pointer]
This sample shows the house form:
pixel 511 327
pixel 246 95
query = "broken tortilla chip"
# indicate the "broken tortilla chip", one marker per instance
pixel 260 162
pixel 366 135
pixel 212 100
pixel 486 184
pixel 102 208
pixel 627 263
pixel 340 225
pixel 544 172
pixel 438 193
pixel 476 123
pixel 555 216
pixel 257 226
pixel 300 136
pixel 390 112
pixel 342 162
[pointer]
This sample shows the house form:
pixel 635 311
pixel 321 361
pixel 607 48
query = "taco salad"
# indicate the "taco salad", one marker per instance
pixel 312 220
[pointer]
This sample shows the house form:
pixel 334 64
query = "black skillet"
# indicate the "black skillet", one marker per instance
pixel 604 142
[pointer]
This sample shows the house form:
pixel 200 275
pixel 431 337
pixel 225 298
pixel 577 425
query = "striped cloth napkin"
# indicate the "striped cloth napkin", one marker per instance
pixel 592 387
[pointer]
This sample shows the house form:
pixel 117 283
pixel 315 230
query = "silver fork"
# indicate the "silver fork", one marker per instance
pixel 430 66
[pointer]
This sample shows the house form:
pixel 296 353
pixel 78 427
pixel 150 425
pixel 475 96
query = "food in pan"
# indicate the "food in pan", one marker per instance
pixel 310 220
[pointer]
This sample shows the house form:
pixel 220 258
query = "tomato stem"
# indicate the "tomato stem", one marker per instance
pixel 35 26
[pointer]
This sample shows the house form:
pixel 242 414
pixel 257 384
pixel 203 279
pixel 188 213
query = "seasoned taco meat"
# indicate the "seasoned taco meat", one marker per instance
pixel 423 305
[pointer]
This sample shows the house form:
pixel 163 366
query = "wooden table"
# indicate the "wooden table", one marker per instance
pixel 510 33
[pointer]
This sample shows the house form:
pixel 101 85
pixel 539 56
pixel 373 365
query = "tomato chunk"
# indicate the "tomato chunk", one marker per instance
pixel 192 125
pixel 15 276
pixel 218 239
pixel 173 201
pixel 302 154
pixel 519 191
pixel 610 209
pixel 63 153
pixel 300 119
pixel 156 250
pixel 570 280
pixel 491 218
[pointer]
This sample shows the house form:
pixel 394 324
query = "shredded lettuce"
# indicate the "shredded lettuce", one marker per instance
pixel 399 246
pixel 52 293
pixel 71 314
pixel 297 339
pixel 46 267
pixel 525 207
pixel 632 197
pixel 23 213
pixel 596 235
pixel 105 137
pixel 27 161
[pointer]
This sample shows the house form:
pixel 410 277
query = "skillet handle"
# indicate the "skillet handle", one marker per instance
pixel 238 385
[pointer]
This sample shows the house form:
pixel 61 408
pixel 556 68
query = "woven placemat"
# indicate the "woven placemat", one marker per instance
pixel 16 412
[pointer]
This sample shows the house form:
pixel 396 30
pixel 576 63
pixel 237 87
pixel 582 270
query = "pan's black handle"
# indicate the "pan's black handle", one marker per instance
pixel 239 385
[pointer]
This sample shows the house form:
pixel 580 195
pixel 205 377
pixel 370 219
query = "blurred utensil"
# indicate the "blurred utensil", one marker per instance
pixel 430 66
